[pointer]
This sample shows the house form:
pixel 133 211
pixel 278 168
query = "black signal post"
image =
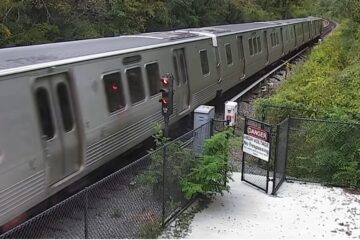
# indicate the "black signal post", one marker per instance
pixel 167 95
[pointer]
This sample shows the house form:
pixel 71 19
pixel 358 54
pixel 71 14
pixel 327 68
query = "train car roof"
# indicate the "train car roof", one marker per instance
pixel 229 29
pixel 16 57
pixel 27 58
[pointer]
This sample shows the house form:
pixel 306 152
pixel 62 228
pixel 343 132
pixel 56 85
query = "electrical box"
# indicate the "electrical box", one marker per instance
pixel 202 126
pixel 230 115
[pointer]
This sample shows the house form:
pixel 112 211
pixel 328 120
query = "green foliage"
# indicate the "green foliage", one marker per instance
pixel 329 81
pixel 327 86
pixel 212 171
pixel 35 21
pixel 326 152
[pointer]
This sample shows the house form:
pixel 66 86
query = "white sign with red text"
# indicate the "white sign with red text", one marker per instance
pixel 255 143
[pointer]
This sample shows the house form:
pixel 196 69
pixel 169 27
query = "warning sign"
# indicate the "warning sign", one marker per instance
pixel 256 147
pixel 258 133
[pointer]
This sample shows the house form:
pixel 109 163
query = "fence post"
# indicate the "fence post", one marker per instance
pixel 243 154
pixel 163 187
pixel 287 145
pixel 211 127
pixel 86 233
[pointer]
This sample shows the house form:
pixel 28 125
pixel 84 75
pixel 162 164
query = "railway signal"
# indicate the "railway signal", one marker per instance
pixel 167 94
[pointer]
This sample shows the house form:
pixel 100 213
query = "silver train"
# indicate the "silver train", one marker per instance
pixel 67 108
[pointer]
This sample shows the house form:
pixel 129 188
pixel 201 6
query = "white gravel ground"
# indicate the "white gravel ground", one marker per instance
pixel 298 211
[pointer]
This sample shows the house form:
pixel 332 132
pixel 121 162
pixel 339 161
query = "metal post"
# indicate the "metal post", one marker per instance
pixel 86 233
pixel 166 133
pixel 278 127
pixel 243 156
pixel 268 162
pixel 212 127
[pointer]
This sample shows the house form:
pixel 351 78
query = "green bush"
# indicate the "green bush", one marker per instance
pixel 212 171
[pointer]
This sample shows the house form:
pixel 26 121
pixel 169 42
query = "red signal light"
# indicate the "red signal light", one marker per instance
pixel 164 81
pixel 163 101
pixel 114 87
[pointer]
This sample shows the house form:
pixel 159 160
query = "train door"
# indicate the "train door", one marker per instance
pixel 182 80
pixel 58 126
pixel 241 55
pixel 266 47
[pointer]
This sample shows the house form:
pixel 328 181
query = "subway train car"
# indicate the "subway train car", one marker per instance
pixel 67 108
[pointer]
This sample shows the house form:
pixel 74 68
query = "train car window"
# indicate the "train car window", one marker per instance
pixel 228 54
pixel 240 48
pixel 204 62
pixel 251 47
pixel 114 91
pixel 135 82
pixel 153 77
pixel 65 107
pixel 255 46
pixel 176 71
pixel 183 68
pixel 44 110
pixel 259 44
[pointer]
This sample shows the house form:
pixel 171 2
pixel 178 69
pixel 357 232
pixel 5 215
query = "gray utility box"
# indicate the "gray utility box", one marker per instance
pixel 202 117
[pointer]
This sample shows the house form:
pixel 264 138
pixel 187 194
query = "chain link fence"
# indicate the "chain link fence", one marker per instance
pixel 309 149
pixel 324 151
pixel 256 171
pixel 281 154
pixel 134 202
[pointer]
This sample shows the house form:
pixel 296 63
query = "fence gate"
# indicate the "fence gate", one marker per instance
pixel 280 162
pixel 256 154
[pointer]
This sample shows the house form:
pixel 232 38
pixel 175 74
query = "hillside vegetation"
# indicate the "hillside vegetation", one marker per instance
pixel 329 82
pixel 328 85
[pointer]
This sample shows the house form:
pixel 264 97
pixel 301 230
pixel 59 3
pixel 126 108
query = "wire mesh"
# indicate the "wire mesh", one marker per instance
pixel 133 202
pixel 280 159
pixel 65 220
pixel 324 151
pixel 255 170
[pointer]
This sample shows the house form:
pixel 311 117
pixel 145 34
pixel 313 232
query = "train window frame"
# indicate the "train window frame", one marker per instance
pixel 258 39
pixel 240 46
pixel 122 91
pixel 142 82
pixel 251 49
pixel 66 108
pixel 148 80
pixel 176 70
pixel 204 73
pixel 50 113
pixel 255 45
pixel 228 53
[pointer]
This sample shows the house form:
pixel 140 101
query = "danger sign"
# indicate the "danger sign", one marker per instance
pixel 258 133
pixel 256 142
